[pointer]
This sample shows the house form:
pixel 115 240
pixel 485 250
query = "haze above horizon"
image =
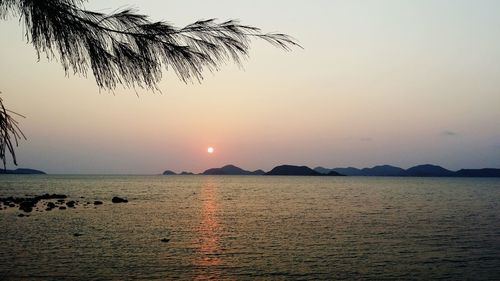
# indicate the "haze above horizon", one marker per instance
pixel 380 82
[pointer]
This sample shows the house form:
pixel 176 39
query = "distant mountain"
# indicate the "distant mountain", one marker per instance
pixel 229 170
pixel 22 171
pixel 429 170
pixel 349 171
pixel 377 171
pixel 289 170
pixel 258 173
pixel 169 173
pixel 322 170
pixel 186 174
pixel 384 171
pixel 335 174
pixel 478 173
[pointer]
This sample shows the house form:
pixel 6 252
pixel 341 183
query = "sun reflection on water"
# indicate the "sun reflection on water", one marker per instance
pixel 208 258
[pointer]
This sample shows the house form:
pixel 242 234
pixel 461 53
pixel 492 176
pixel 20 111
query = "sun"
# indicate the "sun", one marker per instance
pixel 210 150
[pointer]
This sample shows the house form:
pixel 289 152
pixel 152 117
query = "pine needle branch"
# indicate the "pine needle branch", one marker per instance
pixel 126 48
pixel 9 134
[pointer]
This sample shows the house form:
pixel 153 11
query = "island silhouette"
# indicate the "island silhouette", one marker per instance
pixel 22 171
pixel 232 170
pixel 426 170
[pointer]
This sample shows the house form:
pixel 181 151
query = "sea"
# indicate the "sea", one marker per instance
pixel 253 228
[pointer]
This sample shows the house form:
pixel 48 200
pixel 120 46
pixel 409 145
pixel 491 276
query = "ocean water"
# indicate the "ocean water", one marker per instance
pixel 254 228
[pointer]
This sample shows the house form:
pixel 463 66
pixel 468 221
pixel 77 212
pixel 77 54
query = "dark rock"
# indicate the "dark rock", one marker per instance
pixel 165 240
pixel 62 208
pixel 77 234
pixel 50 206
pixel 27 206
pixel 97 202
pixel 70 204
pixel 27 209
pixel 12 205
pixel 20 215
pixel 47 196
pixel 119 200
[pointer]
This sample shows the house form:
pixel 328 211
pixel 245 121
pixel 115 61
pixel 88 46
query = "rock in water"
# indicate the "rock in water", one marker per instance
pixel 97 202
pixel 50 206
pixel 27 206
pixel 119 200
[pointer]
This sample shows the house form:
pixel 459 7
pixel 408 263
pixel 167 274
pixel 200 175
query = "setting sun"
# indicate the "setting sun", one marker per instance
pixel 210 150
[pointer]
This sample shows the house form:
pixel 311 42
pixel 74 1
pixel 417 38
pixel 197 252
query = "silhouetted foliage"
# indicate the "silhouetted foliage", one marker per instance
pixel 9 134
pixel 125 47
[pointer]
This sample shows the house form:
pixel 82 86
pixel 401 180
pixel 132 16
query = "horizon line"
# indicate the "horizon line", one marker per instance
pixel 201 173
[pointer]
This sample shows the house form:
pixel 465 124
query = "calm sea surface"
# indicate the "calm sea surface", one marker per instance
pixel 264 228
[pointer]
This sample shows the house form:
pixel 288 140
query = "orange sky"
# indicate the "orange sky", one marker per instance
pixel 381 82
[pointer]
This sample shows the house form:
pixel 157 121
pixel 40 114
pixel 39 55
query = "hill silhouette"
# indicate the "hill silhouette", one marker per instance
pixel 427 170
pixel 22 171
pixel 289 170
pixel 385 171
pixel 478 173
pixel 335 174
pixel 232 170
pixel 350 171
pixel 258 173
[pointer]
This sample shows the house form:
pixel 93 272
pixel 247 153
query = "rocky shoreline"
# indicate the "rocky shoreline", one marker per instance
pixel 48 202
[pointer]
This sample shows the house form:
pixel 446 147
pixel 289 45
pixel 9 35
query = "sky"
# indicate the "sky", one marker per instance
pixel 378 82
